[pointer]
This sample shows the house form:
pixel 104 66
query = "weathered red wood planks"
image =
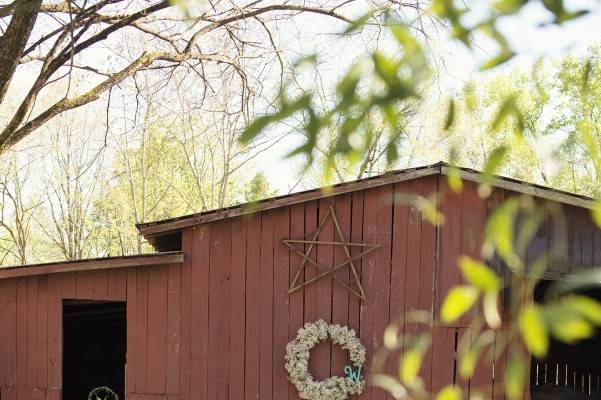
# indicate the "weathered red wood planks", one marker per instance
pixel 368 271
pixel 238 312
pixel 321 354
pixel 354 319
pixel 296 299
pixel 196 284
pixel 141 321
pixel 173 329
pixel 131 334
pixel 252 307
pixel 265 312
pixel 340 295
pixel 157 330
pixel 281 267
pixel 381 294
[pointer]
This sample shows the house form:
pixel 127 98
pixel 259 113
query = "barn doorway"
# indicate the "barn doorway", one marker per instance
pixel 568 371
pixel 94 345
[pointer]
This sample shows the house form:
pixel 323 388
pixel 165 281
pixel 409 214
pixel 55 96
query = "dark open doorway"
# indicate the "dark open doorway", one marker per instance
pixel 568 371
pixel 94 345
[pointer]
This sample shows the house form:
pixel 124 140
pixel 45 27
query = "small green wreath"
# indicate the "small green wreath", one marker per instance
pixel 297 362
pixel 102 393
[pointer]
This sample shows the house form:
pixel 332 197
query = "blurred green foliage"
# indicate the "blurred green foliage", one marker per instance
pixel 378 84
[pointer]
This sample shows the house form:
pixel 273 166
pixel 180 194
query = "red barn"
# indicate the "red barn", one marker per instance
pixel 209 316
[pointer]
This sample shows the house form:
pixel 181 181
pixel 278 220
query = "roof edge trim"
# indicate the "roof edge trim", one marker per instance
pixel 159 227
pixel 527 188
pixel 173 257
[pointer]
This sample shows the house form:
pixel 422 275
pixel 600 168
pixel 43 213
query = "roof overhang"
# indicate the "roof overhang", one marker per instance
pixel 173 257
pixel 531 189
pixel 161 228
pixel 156 228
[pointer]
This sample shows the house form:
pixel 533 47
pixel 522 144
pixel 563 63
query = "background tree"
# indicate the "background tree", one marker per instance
pixel 258 189
pixel 17 210
pixel 45 44
pixel 72 183
pixel 213 162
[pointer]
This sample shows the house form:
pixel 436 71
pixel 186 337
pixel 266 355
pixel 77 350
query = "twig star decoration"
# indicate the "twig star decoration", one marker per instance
pixel 329 270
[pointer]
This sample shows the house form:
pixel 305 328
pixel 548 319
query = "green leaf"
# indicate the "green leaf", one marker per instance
pixel 468 358
pixel 587 130
pixel 306 60
pixel 348 84
pixel 411 363
pixel 586 73
pixel 497 60
pixel 479 274
pixel 568 16
pixel 509 6
pixel 450 115
pixel 569 328
pixel 450 392
pixel 555 6
pixel 459 300
pixel 561 14
pixel 447 9
pixel 514 377
pixel 404 37
pixel 254 128
pixel 596 212
pixel 585 306
pixel 358 23
pixel 386 68
pixel 507 108
pixel 538 267
pixel 454 179
pixel 392 152
pixel 493 162
pixel 287 109
pixel 529 229
pixel 534 331
pixel 468 362
pixel 429 210
pixel 581 281
pixel 499 232
pixel 389 384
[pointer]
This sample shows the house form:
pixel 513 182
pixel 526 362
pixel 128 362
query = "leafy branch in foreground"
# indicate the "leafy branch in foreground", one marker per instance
pixel 524 326
pixel 380 82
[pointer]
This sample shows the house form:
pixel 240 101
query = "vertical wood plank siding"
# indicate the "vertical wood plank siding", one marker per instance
pixel 216 326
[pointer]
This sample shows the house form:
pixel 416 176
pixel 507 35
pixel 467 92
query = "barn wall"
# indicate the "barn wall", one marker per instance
pixel 31 328
pixel 238 273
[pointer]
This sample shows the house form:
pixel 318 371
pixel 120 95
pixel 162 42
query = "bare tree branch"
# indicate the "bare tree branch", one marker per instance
pixel 66 32
pixel 14 40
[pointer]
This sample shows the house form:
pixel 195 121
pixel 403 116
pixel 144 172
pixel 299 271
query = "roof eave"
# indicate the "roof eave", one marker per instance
pixel 159 228
pixel 173 257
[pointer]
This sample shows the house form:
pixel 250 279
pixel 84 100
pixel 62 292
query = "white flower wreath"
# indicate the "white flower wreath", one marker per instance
pixel 297 362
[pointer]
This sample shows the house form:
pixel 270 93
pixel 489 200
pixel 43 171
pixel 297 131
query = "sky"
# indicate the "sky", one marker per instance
pixel 527 38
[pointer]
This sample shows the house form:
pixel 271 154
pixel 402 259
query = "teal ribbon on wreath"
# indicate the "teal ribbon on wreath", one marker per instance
pixel 354 376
